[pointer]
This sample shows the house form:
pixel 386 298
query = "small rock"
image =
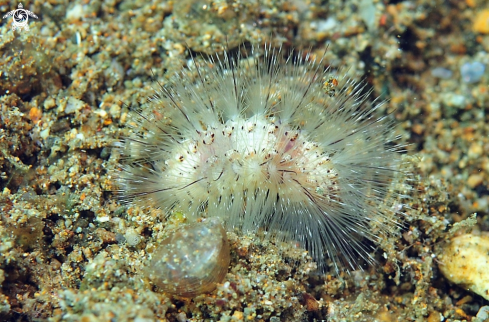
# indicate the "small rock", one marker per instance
pixel 324 25
pixel 454 100
pixel 481 22
pixel 474 180
pixel 475 150
pixel 72 105
pixel 310 302
pixel 472 72
pixel 465 260
pixel 107 237
pixel 440 72
pixel 483 313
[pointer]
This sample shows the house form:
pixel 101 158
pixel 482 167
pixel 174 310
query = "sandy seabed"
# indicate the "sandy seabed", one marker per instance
pixel 69 251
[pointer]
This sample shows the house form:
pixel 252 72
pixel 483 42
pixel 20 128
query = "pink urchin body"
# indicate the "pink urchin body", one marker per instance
pixel 263 145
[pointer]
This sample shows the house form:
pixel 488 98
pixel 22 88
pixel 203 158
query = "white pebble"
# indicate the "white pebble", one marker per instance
pixel 465 260
pixel 483 313
pixel 132 237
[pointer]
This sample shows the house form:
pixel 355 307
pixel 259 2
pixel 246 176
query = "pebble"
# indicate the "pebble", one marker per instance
pixel 464 261
pixel 72 105
pixel 440 72
pixel 192 260
pixel 472 72
pixel 481 22
pixel 474 180
pixel 325 25
pixel 483 313
pixel 454 100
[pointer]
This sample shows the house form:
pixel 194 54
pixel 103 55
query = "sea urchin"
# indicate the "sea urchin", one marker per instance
pixel 279 144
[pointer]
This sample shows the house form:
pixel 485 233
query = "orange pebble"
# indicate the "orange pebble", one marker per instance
pixel 481 22
pixel 35 114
